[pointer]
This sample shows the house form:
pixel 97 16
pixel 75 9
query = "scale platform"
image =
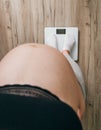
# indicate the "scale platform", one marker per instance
pixel 60 33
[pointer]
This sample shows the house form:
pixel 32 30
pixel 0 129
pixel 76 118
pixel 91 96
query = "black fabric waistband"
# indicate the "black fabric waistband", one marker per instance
pixel 24 107
pixel 27 90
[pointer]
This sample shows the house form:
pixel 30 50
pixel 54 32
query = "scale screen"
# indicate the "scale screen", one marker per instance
pixel 60 31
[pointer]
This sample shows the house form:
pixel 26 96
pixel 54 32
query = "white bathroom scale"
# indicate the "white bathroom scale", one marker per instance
pixel 60 33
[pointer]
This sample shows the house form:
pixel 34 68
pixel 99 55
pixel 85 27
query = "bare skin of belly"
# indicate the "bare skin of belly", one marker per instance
pixel 43 66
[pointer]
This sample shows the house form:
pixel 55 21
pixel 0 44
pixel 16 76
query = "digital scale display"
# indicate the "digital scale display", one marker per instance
pixel 60 31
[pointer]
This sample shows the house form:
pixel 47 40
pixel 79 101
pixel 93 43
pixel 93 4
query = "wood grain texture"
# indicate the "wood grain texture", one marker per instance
pixel 95 8
pixel 23 21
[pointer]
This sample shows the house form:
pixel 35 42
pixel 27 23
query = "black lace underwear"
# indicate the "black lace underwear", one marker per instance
pixel 26 107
